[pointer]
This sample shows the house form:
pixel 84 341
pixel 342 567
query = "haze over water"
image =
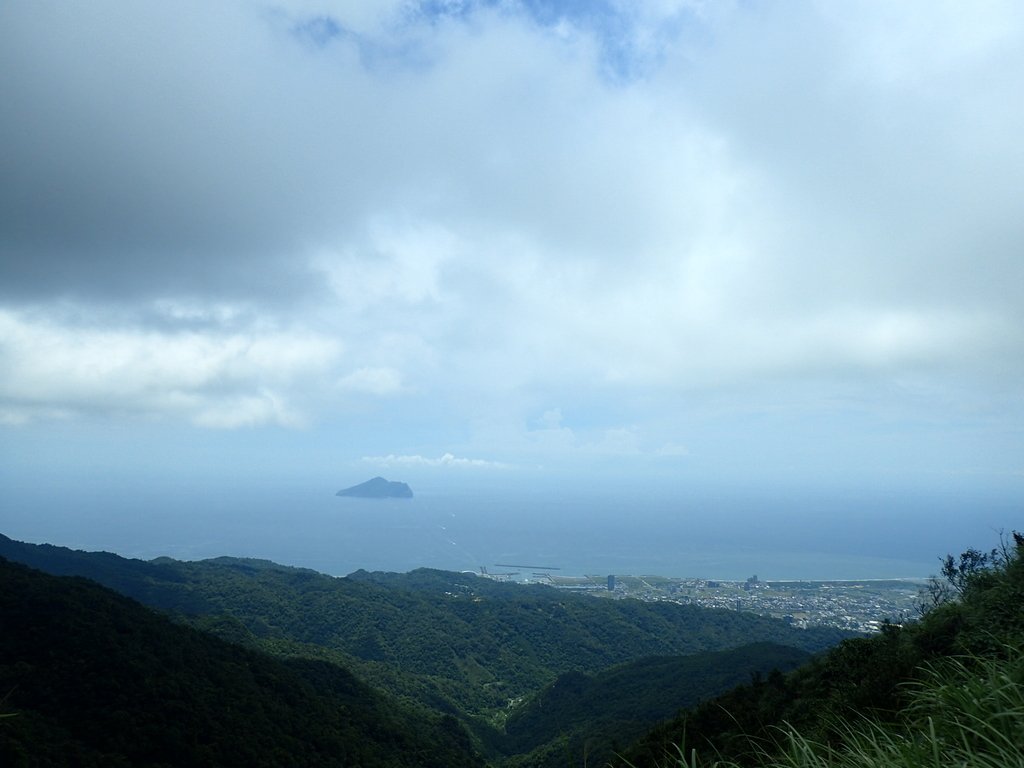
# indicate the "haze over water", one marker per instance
pixel 701 536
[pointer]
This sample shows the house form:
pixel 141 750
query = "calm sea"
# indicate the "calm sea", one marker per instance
pixel 724 538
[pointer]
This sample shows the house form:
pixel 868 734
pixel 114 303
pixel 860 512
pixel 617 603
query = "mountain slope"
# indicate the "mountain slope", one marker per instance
pixel 456 642
pixel 94 678
pixel 594 715
pixel 935 673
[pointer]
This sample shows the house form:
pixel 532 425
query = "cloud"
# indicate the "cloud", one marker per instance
pixel 252 213
pixel 225 379
pixel 550 419
pixel 400 263
pixel 445 460
pixel 375 381
pixel 247 411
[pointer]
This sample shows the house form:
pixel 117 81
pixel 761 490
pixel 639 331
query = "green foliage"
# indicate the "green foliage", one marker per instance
pixel 97 679
pixel 594 715
pixel 946 690
pixel 453 642
pixel 964 711
pixel 958 575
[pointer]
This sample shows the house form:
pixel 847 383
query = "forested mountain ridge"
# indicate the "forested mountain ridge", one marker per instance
pixel 947 689
pixel 93 678
pixel 446 642
pixel 89 677
pixel 581 719
pixel 457 642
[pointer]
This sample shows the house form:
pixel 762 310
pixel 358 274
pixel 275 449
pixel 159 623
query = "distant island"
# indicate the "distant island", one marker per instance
pixel 378 488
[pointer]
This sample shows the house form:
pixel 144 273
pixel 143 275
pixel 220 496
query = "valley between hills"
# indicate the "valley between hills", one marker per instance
pixel 243 662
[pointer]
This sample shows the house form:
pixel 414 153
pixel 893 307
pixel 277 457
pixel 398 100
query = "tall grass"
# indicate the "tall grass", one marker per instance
pixel 965 712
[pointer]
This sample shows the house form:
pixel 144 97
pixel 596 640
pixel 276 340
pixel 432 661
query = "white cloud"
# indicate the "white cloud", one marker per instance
pixel 212 379
pixel 247 411
pixel 466 211
pixel 445 460
pixel 399 264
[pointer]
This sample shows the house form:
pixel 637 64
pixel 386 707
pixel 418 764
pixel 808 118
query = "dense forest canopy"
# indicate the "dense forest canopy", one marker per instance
pixel 245 662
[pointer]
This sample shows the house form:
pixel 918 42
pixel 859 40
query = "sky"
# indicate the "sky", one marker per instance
pixel 757 247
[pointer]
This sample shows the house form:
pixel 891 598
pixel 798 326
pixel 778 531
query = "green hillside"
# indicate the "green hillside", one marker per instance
pixel 945 690
pixel 455 642
pixel 541 677
pixel 91 678
pixel 581 718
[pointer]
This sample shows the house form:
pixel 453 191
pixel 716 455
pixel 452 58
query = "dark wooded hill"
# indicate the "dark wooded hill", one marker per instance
pixel 581 719
pixel 453 643
pixel 89 677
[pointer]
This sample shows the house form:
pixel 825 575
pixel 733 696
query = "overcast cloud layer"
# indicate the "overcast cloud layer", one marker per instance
pixel 522 234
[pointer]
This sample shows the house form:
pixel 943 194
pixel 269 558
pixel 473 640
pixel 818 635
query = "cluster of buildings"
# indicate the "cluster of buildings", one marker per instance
pixel 862 606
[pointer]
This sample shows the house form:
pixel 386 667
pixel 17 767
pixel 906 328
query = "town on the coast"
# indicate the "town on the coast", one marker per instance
pixel 863 606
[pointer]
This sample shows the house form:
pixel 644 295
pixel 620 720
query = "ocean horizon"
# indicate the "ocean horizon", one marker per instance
pixel 599 534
